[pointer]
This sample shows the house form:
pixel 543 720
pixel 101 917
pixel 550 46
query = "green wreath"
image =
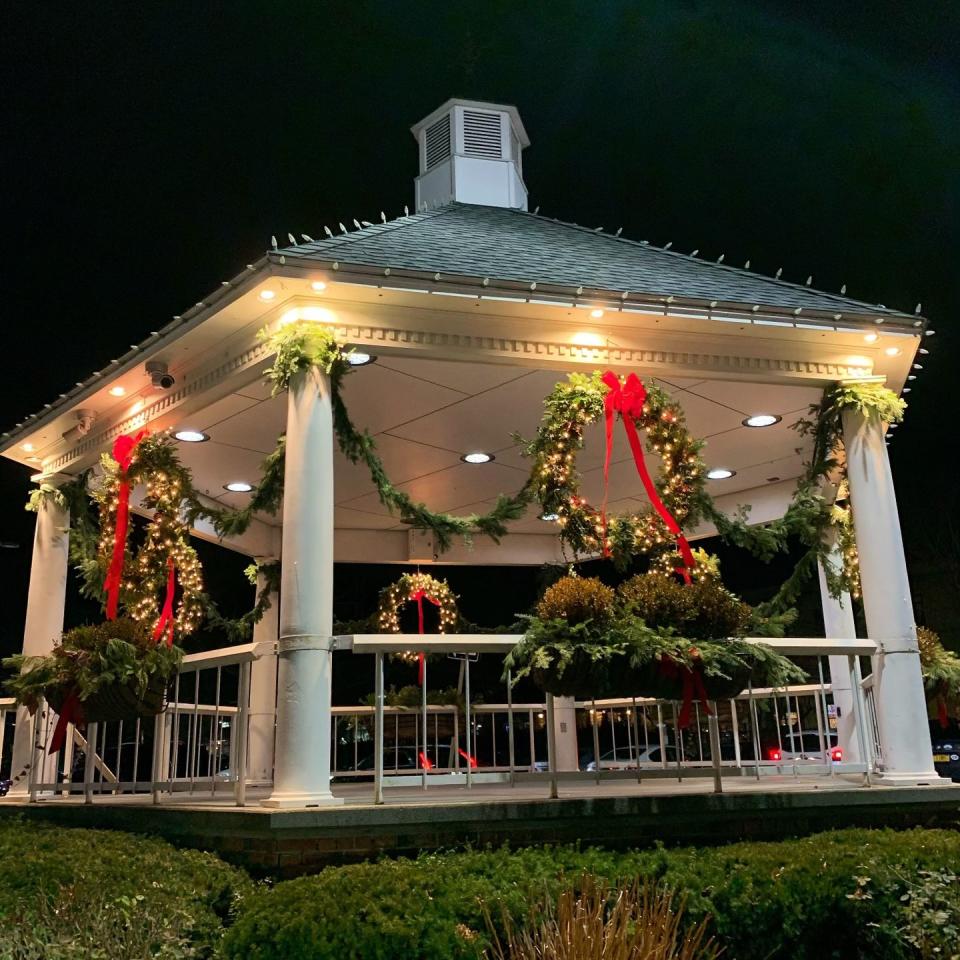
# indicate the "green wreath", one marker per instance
pixel 575 404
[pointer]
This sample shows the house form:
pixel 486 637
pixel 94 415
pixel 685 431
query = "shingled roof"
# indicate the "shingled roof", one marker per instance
pixel 512 245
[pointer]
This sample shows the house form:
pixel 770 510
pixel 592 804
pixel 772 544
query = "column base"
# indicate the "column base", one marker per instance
pixel 894 778
pixel 292 801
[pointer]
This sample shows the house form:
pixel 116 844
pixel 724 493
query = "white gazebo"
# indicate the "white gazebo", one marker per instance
pixel 471 308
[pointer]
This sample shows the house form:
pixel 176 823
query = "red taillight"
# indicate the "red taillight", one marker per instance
pixel 466 756
pixel 775 754
pixel 425 762
pixel 836 754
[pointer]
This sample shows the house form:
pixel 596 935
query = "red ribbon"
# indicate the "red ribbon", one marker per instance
pixel 628 399
pixel 693 688
pixel 421 658
pixel 942 715
pixel 70 712
pixel 166 622
pixel 123 451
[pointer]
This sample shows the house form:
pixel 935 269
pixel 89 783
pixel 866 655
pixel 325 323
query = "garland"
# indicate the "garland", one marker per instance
pixel 146 574
pixel 570 407
pixel 941 676
pixel 553 481
pixel 298 347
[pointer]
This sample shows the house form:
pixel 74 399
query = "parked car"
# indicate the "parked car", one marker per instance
pixel 804 746
pixel 946 757
pixel 409 759
pixel 625 758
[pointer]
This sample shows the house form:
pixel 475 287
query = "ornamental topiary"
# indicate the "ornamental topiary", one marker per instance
pixel 702 610
pixel 577 600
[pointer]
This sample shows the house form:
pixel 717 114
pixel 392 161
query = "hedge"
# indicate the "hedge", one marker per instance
pixel 68 894
pixel 844 894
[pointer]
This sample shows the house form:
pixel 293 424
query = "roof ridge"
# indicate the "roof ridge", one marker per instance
pixel 766 278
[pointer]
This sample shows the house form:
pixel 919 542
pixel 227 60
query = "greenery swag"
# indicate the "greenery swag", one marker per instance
pixel 571 406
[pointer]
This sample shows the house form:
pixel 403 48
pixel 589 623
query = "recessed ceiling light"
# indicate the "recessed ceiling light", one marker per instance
pixel 192 436
pixel 357 358
pixel 762 420
pixel 33 459
pixel 238 486
pixel 477 457
pixel 720 473
pixel 117 391
pixel 318 285
pixel 550 517
pixel 267 295
pixel 892 351
pixel 28 447
pixel 596 313
pixel 871 337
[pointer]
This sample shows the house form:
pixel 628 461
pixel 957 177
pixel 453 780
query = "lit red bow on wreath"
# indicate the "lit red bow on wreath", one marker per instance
pixel 628 399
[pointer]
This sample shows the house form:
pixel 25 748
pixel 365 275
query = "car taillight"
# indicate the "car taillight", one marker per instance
pixel 775 754
pixel 466 756
pixel 836 754
pixel 425 762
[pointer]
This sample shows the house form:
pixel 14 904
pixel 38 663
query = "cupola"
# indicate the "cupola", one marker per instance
pixel 470 152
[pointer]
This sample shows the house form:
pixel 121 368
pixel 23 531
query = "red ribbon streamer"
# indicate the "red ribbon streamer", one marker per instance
pixel 123 450
pixel 693 688
pixel 70 712
pixel 421 658
pixel 942 715
pixel 166 622
pixel 628 399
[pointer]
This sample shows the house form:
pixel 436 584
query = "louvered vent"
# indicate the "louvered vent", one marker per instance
pixel 438 142
pixel 481 135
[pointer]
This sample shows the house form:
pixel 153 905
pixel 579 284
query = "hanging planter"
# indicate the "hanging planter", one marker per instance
pixel 110 671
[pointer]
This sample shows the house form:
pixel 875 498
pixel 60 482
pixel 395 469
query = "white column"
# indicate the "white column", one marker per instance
pixel 565 733
pixel 838 624
pixel 263 693
pixel 44 623
pixel 899 695
pixel 302 764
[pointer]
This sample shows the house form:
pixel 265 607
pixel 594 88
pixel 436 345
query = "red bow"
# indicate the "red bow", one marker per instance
pixel 628 399
pixel 166 622
pixel 71 711
pixel 693 688
pixel 123 450
pixel 419 596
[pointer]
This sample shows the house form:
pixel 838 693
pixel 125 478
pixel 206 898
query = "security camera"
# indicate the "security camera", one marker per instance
pixel 160 377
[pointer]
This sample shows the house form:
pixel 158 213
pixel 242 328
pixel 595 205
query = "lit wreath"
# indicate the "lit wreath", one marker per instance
pixel 577 403
pixel 415 588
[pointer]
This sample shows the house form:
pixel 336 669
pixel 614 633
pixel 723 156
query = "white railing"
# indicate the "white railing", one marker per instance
pixel 199 744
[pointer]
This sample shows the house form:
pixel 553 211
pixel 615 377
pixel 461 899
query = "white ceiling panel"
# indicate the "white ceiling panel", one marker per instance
pixel 379 398
pixel 403 460
pixel 468 378
pixel 214 464
pixel 485 421
pixel 749 399
pixel 256 428
pixel 449 489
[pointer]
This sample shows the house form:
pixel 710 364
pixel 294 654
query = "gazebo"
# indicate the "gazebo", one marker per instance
pixel 462 313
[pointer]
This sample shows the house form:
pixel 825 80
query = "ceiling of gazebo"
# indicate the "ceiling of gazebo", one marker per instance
pixel 426 413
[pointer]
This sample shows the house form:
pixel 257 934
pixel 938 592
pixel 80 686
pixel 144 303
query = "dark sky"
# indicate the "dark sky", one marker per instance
pixel 150 150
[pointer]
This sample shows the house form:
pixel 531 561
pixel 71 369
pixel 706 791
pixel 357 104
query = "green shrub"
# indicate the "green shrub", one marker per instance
pixel 844 894
pixel 69 894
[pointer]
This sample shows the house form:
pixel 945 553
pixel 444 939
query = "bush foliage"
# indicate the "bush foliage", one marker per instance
pixel 70 894
pixel 846 894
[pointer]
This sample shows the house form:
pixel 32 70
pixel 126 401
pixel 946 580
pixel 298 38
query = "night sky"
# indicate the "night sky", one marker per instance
pixel 149 151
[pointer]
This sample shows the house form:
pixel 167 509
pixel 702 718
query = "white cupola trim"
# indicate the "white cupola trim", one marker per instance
pixel 470 152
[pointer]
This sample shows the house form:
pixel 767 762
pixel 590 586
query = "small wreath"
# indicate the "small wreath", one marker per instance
pixel 415 588
pixel 577 403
